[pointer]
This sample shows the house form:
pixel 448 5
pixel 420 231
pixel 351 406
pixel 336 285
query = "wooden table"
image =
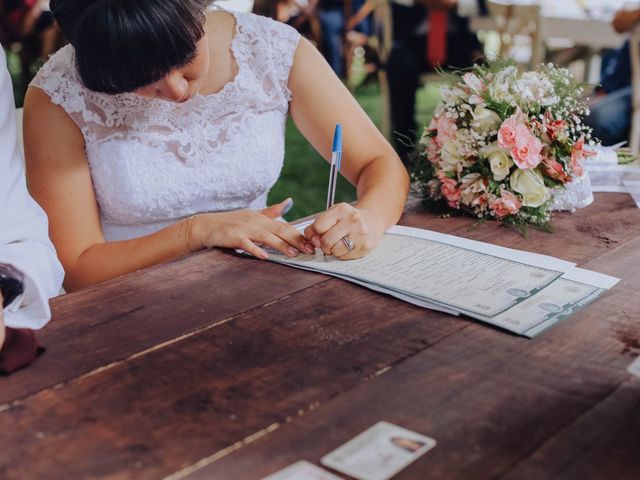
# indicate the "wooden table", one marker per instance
pixel 221 367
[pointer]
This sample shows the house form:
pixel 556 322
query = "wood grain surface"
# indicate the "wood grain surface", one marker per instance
pixel 220 367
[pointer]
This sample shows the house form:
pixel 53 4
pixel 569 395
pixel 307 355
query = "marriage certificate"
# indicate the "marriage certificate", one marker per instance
pixel 519 291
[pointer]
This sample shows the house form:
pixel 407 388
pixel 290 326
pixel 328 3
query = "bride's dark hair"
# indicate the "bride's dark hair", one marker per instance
pixel 122 45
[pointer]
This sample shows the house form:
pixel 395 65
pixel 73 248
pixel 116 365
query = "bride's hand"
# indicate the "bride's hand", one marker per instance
pixel 360 229
pixel 246 229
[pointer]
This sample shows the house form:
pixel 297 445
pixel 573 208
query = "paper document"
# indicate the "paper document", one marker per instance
pixel 519 291
pixel 379 452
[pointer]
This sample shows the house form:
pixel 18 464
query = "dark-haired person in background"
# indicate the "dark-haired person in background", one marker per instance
pixel 160 129
pixel 29 271
pixel 610 116
pixel 426 34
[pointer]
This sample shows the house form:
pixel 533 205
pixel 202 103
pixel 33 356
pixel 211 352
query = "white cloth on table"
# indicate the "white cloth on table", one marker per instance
pixel 153 162
pixel 24 240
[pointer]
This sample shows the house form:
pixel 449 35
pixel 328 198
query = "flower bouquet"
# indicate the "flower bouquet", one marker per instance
pixel 500 141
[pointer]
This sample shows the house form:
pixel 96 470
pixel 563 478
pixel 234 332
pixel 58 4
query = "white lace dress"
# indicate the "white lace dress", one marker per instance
pixel 153 162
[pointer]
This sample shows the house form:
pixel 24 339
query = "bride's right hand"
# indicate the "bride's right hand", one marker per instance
pixel 246 229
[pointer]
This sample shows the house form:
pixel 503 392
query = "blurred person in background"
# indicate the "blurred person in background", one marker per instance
pixel 30 24
pixel 611 107
pixel 427 34
pixel 299 14
pixel 334 15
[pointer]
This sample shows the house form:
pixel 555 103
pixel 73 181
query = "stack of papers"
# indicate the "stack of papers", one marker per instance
pixel 607 175
pixel 522 292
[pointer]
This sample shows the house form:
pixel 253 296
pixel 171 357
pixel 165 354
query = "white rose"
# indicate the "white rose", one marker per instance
pixel 450 155
pixel 536 88
pixel 485 120
pixel 530 184
pixel 499 160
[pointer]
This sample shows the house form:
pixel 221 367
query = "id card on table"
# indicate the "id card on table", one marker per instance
pixel 379 452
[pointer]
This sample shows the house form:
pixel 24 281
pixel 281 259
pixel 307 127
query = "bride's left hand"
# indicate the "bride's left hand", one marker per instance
pixel 361 228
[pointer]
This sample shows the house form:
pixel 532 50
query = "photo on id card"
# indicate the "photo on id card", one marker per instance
pixel 379 452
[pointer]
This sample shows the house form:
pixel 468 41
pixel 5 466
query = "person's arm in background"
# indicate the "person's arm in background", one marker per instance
pixel 625 20
pixel 24 240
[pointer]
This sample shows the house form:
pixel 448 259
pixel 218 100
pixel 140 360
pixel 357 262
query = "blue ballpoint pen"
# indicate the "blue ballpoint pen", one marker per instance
pixel 336 160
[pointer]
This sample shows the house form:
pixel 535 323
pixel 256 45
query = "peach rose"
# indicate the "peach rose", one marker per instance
pixel 578 154
pixel 553 169
pixel 450 190
pixel 506 204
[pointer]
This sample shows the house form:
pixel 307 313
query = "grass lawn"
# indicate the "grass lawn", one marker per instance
pixel 305 174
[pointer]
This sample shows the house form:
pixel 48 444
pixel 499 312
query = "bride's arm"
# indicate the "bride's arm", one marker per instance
pixel 60 181
pixel 319 101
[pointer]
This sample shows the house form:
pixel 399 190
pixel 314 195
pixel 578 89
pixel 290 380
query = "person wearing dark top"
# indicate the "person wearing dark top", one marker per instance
pixel 610 116
pixel 332 15
pixel 409 57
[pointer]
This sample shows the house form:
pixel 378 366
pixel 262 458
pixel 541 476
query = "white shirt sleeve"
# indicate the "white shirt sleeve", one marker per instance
pixel 24 240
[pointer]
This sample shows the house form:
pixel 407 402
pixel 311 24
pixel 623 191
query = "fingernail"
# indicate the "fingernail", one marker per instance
pixel 293 252
pixel 287 206
pixel 264 255
pixel 310 249
pixel 316 241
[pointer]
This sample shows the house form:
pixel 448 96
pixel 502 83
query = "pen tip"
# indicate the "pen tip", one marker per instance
pixel 337 139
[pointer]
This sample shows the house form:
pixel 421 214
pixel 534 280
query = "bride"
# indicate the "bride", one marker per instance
pixel 160 129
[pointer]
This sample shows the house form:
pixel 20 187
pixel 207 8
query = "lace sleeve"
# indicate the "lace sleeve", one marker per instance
pixel 59 80
pixel 273 46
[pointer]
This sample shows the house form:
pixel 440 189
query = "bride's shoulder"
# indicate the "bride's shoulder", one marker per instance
pixel 58 76
pixel 60 62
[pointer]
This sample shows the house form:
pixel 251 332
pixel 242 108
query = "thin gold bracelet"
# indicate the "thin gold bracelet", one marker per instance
pixel 187 228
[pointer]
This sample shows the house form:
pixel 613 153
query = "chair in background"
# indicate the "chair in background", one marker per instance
pixel 514 20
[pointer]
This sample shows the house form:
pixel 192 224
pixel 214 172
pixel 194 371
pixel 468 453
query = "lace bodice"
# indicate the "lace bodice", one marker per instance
pixel 153 161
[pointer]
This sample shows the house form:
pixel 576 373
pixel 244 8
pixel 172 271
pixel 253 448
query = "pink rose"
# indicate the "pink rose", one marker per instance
pixel 446 128
pixel 433 152
pixel 507 133
pixel 527 148
pixel 450 190
pixel 506 204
